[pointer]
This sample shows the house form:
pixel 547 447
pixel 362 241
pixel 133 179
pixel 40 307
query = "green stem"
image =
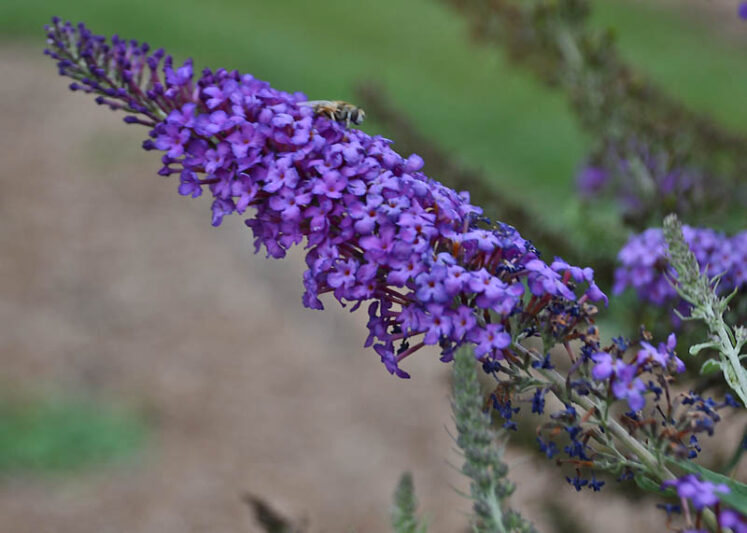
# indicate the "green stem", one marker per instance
pixel 729 350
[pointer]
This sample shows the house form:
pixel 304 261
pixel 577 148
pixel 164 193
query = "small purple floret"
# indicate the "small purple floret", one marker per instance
pixel 702 494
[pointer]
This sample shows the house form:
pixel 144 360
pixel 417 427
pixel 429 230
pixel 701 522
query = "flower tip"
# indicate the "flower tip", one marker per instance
pixel 414 163
pixel 742 10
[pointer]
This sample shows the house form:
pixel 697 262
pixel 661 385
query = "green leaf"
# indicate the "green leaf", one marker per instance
pixel 737 496
pixel 710 367
pixel 650 485
pixel 694 350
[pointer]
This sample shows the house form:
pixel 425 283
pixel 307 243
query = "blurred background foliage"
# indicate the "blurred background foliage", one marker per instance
pixel 466 96
pixel 494 116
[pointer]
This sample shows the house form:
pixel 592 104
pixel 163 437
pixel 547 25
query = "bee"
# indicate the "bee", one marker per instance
pixel 337 110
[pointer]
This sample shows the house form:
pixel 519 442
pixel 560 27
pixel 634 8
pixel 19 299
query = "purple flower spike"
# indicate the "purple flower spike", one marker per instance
pixel 742 10
pixel 374 227
pixel 641 179
pixel 644 266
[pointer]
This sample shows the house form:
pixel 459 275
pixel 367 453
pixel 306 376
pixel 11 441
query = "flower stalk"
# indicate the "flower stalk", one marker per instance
pixel 483 448
pixel 699 291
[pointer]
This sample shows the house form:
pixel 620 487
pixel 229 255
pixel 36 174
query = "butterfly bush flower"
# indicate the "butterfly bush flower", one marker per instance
pixel 645 268
pixel 433 270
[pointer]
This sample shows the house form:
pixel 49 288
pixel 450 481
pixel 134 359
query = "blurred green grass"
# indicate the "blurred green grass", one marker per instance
pixel 58 433
pixel 466 96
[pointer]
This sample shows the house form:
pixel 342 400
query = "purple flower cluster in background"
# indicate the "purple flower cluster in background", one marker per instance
pixel 644 266
pixel 376 228
pixel 643 181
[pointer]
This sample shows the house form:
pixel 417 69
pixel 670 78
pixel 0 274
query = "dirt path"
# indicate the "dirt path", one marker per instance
pixel 113 283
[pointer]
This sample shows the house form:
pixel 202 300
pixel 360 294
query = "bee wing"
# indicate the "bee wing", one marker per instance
pixel 316 103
